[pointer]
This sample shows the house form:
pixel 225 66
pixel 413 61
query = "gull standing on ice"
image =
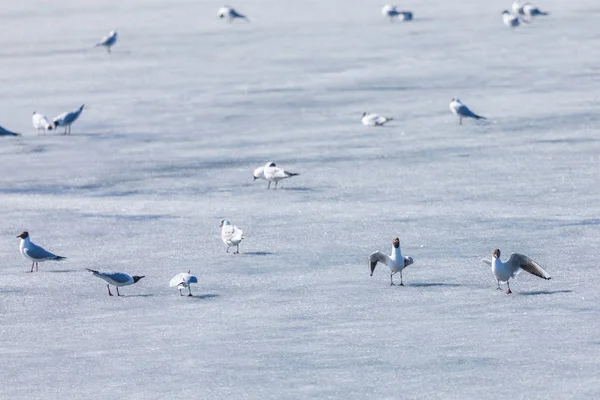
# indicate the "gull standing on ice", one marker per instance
pixel 392 11
pixel 395 262
pixel 183 280
pixel 40 122
pixel 6 132
pixel 108 41
pixel 270 172
pixel 231 235
pixel 374 119
pixel 509 19
pixel 532 11
pixel 503 271
pixel 116 279
pixel 230 13
pixel 458 108
pixel 67 118
pixel 34 252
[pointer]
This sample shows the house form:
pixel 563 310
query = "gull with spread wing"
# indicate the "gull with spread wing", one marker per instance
pixel 183 280
pixel 396 262
pixel 516 263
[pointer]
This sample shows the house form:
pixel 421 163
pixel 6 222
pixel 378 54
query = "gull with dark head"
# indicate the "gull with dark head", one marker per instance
pixel 369 119
pixel 462 111
pixel 510 19
pixel 34 252
pixel 108 41
pixel 516 263
pixel 392 12
pixel 66 119
pixel 231 235
pixel 272 173
pixel 40 122
pixel 117 279
pixel 183 280
pixel 230 14
pixel 396 262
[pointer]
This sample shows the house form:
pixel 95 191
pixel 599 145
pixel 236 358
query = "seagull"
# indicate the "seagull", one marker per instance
pixel 108 41
pixel 517 8
pixel 67 118
pixel 40 122
pixel 458 108
pixel 396 262
pixel 183 280
pixel 116 279
pixel 230 13
pixel 392 11
pixel 34 252
pixel 509 19
pixel 270 172
pixel 532 11
pixel 374 119
pixel 6 132
pixel 503 271
pixel 231 235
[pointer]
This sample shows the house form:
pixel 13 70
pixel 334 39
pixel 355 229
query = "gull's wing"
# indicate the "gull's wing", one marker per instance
pixel 227 232
pixel 237 233
pixel 486 261
pixel 183 279
pixel 376 257
pixel 464 111
pixel 520 261
pixel 281 173
pixel 118 277
pixel 36 252
pixel 59 117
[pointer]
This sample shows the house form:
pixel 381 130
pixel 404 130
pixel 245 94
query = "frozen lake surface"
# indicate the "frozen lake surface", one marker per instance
pixel 186 107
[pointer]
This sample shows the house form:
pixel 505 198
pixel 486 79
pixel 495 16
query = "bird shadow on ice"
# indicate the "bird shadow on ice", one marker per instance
pixel 137 295
pixel 60 271
pixel 538 292
pixel 297 189
pixel 434 284
pixel 205 296
pixel 258 253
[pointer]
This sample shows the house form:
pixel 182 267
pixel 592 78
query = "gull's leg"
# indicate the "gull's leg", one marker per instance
pixel 391 279
pixel 269 187
pixel 190 289
pixel 499 287
pixel 180 292
pixel 37 266
pixel 460 120
pixel 32 264
pixel 401 284
pixel 227 249
pixel 276 182
pixel 237 249
pixel 109 293
pixel 118 294
pixel 508 285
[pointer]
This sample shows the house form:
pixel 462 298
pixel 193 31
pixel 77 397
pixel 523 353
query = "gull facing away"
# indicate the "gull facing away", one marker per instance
pixel 183 280
pixel 116 279
pixel 231 235
pixel 392 12
pixel 532 11
pixel 510 19
pixel 66 119
pixel 458 108
pixel 34 252
pixel 395 262
pixel 369 119
pixel 503 271
pixel 108 41
pixel 271 173
pixel 6 132
pixel 40 122
pixel 230 13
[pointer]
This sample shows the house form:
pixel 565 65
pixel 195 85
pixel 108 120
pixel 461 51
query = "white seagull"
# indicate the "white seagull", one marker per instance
pixel 510 19
pixel 458 108
pixel 67 118
pixel 517 8
pixel 369 119
pixel 116 279
pixel 108 41
pixel 40 122
pixel 396 262
pixel 503 271
pixel 230 13
pixel 392 12
pixel 532 11
pixel 34 252
pixel 6 132
pixel 231 235
pixel 271 173
pixel 183 280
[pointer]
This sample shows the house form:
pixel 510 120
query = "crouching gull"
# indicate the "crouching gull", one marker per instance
pixel 116 279
pixel 183 280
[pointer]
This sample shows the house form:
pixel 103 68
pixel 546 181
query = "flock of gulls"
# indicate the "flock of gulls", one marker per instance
pixel 232 236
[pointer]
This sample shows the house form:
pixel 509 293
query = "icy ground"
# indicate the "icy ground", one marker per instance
pixel 187 106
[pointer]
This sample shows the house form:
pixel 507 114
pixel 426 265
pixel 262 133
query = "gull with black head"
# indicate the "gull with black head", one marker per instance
pixel 34 252
pixel 116 279
pixel 516 263
pixel 396 262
